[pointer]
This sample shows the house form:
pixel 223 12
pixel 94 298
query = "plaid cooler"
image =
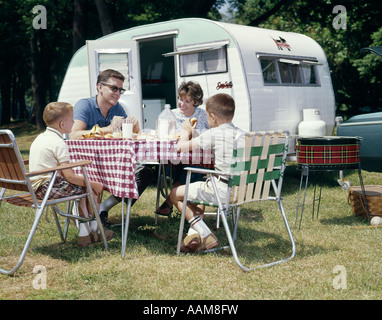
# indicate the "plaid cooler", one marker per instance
pixel 336 152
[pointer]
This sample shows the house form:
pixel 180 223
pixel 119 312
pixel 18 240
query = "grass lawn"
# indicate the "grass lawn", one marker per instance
pixel 333 261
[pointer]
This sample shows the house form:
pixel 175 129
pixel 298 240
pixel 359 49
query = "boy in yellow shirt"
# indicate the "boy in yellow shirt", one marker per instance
pixel 49 150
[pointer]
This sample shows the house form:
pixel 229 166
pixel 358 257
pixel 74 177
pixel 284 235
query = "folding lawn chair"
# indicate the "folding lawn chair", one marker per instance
pixel 258 162
pixel 14 177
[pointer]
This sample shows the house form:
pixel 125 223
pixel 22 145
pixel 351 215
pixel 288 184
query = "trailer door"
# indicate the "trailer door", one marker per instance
pixel 123 56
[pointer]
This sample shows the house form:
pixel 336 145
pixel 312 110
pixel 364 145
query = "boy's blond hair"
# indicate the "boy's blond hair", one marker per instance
pixel 55 111
pixel 221 105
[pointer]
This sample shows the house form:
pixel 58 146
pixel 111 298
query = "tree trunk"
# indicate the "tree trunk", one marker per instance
pixel 14 111
pixel 36 80
pixel 20 101
pixel 104 17
pixel 79 35
pixel 5 102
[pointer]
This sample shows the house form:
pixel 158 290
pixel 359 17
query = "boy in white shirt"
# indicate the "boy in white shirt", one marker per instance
pixel 220 138
pixel 49 150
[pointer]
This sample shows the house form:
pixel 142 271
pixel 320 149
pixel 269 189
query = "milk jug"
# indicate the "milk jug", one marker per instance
pixel 312 125
pixel 166 124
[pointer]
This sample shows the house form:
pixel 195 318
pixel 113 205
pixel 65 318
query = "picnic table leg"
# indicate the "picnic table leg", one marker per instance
pixel 158 192
pixel 125 224
pixel 162 187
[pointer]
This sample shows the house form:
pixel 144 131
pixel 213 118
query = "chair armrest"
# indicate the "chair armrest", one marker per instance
pixel 60 167
pixel 209 171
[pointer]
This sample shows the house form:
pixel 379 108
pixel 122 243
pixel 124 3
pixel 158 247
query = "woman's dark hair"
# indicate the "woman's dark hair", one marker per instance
pixel 192 89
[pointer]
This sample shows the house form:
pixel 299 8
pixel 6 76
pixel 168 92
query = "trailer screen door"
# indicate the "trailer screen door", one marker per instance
pixel 121 55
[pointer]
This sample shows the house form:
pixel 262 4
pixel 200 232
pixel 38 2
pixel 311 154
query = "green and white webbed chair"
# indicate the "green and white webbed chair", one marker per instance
pixel 258 162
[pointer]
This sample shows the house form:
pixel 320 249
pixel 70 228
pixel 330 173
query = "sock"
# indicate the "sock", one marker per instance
pixel 108 203
pixel 93 225
pixel 199 226
pixel 84 229
pixel 192 231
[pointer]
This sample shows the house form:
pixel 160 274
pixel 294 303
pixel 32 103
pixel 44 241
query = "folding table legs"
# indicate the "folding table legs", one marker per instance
pixel 125 224
pixel 162 187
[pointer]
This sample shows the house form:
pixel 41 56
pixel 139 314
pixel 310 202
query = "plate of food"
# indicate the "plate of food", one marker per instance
pixel 143 136
pixel 96 133
pixel 113 136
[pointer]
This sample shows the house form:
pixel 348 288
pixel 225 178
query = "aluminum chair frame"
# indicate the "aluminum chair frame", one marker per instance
pixel 257 166
pixel 14 176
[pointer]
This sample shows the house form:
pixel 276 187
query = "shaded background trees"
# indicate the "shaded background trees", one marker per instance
pixel 356 78
pixel 34 61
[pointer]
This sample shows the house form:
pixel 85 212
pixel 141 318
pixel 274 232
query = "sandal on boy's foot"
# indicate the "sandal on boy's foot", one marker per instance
pixel 165 209
pixel 208 243
pixel 190 243
pixel 95 236
pixel 84 241
pixel 191 247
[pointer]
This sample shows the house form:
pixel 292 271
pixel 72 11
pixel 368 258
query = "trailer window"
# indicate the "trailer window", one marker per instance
pixel 289 73
pixel 204 62
pixel 269 71
pixel 309 73
pixel 280 71
pixel 116 61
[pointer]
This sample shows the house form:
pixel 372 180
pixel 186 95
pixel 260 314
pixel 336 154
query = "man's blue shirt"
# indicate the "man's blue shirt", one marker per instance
pixel 88 111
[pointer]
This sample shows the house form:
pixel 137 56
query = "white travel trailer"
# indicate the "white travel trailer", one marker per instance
pixel 272 75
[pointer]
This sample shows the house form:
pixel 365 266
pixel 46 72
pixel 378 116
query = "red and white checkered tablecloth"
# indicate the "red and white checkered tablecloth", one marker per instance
pixel 164 151
pixel 113 161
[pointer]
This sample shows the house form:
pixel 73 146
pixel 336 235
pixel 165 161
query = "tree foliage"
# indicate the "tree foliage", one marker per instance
pixel 356 78
pixel 34 61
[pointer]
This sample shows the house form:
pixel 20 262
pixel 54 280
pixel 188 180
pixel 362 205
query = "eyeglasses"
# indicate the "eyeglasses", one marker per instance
pixel 114 88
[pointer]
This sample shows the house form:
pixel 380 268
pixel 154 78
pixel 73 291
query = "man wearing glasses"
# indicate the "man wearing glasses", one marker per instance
pixel 102 110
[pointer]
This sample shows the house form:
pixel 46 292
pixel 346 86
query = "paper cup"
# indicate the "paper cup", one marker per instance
pixel 127 129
